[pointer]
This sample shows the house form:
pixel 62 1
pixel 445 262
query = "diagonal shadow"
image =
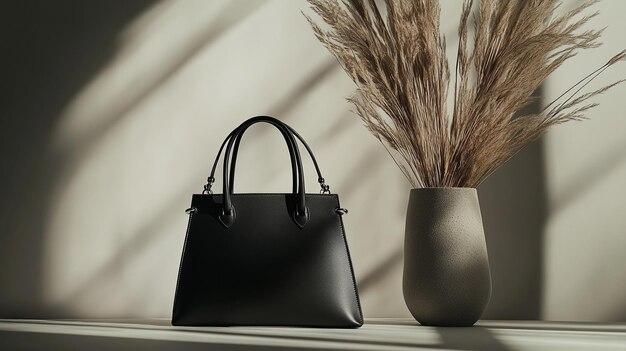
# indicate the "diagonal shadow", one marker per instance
pixel 89 140
pixel 595 170
pixel 381 270
pixel 366 164
pixel 313 79
pixel 341 124
pixel 52 50
pixel 198 43
pixel 140 240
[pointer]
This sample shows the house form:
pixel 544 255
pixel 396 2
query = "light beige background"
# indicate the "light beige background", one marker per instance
pixel 104 149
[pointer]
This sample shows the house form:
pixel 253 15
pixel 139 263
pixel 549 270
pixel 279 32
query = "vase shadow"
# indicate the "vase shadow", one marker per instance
pixel 513 202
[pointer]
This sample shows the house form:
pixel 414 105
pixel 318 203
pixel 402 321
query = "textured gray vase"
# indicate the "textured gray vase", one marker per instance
pixel 446 279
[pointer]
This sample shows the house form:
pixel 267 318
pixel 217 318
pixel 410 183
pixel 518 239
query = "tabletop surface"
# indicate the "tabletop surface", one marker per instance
pixel 376 334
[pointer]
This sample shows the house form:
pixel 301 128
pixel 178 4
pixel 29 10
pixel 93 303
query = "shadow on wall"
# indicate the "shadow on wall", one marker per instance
pixel 50 50
pixel 514 203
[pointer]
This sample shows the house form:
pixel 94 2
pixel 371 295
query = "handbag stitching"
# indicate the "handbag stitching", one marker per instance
pixel 345 242
pixel 180 266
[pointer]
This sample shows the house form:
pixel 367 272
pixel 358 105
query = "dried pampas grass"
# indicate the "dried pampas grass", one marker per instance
pixel 402 76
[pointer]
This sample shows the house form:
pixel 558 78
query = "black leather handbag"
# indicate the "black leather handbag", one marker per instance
pixel 266 259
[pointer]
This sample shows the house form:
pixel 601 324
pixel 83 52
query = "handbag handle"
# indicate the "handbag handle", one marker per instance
pixel 300 213
pixel 324 188
pixel 211 178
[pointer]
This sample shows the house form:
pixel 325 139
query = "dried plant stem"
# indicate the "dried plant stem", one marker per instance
pixel 399 66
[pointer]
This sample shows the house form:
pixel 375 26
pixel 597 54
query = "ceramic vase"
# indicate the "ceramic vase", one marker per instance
pixel 446 277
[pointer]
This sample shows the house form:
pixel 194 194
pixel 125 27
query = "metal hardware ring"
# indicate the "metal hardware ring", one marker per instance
pixel 341 211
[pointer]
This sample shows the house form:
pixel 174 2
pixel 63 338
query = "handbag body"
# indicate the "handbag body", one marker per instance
pixel 266 259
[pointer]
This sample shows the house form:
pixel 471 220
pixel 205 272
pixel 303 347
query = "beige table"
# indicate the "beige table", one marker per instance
pixel 376 334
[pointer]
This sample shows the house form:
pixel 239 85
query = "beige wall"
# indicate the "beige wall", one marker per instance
pixel 129 143
pixel 585 234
